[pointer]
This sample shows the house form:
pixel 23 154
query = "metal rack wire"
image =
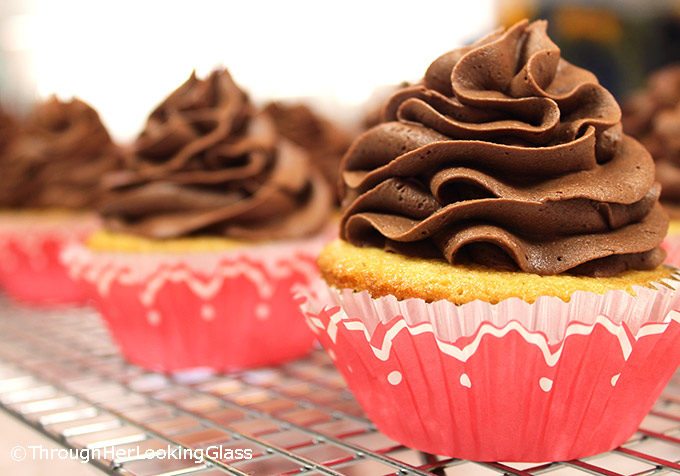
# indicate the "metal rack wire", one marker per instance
pixel 60 373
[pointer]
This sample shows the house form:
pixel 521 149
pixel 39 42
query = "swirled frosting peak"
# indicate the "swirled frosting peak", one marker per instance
pixel 508 156
pixel 57 158
pixel 209 163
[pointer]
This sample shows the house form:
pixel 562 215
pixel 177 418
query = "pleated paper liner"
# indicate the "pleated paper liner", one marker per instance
pixel 30 266
pixel 671 244
pixel 222 310
pixel 514 381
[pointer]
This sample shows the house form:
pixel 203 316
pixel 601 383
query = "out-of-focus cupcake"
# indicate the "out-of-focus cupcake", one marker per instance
pixel 324 141
pixel 652 115
pixel 9 129
pixel 48 188
pixel 497 292
pixel 206 232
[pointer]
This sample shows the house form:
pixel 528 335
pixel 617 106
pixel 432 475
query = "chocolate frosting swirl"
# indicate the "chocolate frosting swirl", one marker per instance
pixel 208 163
pixel 652 115
pixel 509 156
pixel 58 158
pixel 324 141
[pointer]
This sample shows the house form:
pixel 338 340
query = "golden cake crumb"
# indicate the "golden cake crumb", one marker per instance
pixel 121 242
pixel 44 215
pixel 382 273
pixel 674 227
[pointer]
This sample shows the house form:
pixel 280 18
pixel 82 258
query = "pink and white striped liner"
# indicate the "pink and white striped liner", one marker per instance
pixel 513 381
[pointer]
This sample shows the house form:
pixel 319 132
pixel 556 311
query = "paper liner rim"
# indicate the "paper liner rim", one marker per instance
pixel 551 351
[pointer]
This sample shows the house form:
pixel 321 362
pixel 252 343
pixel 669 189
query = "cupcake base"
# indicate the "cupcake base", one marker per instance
pixel 225 310
pixel 30 247
pixel 671 244
pixel 547 380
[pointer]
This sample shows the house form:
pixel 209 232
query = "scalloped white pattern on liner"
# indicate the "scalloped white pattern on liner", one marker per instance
pixel 578 317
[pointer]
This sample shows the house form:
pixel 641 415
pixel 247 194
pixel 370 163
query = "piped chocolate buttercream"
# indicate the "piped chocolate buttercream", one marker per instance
pixel 208 163
pixel 57 158
pixel 508 156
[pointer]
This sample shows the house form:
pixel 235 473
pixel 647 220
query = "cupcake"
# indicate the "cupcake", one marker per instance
pixel 497 292
pixel 8 130
pixel 324 141
pixel 205 233
pixel 48 188
pixel 652 115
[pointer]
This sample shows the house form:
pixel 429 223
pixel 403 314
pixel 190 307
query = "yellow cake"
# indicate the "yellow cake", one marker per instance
pixel 674 227
pixel 104 241
pixel 382 273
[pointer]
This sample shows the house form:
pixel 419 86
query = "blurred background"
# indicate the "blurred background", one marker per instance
pixel 123 57
pixel 621 41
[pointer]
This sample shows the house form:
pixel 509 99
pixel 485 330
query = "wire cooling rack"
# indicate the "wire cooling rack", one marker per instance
pixel 60 373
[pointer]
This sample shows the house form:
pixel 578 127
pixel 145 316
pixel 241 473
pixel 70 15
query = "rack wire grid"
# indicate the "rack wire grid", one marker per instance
pixel 60 373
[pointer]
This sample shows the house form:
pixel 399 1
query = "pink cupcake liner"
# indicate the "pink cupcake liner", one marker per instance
pixel 30 267
pixel 547 381
pixel 331 231
pixel 221 310
pixel 671 244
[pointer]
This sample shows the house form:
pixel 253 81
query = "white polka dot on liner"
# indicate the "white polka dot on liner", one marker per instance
pixel 154 318
pixel 465 381
pixel 262 312
pixel 615 379
pixel 545 384
pixel 207 312
pixel 394 377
